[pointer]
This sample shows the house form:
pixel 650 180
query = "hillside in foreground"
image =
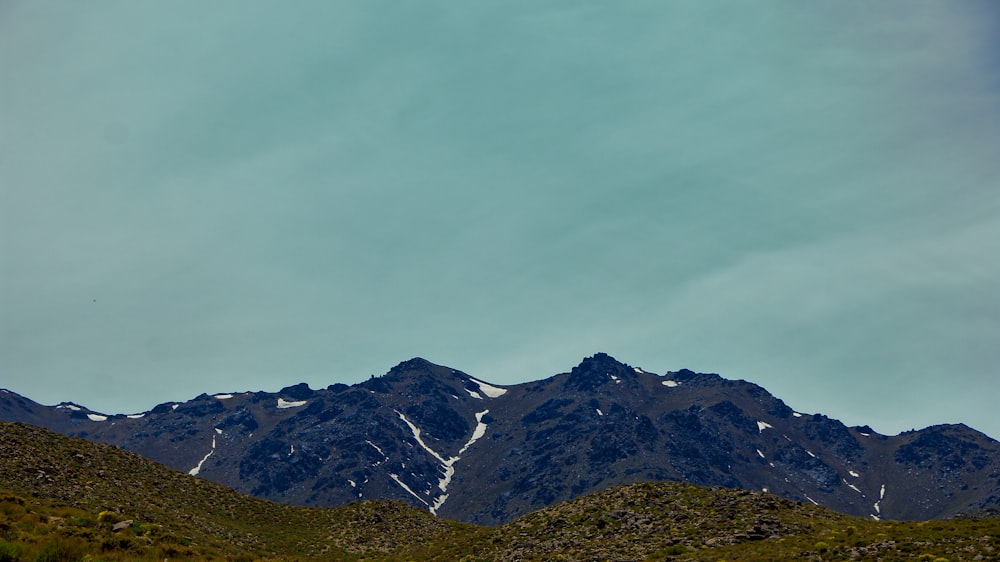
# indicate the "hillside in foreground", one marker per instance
pixel 68 491
pixel 64 498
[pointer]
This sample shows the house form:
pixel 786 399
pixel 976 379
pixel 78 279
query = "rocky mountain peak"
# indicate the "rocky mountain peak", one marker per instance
pixel 598 370
pixel 418 383
pixel 299 391
pixel 417 364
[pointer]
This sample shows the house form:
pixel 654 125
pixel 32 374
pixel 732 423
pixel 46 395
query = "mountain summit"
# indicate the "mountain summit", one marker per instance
pixel 597 371
pixel 462 448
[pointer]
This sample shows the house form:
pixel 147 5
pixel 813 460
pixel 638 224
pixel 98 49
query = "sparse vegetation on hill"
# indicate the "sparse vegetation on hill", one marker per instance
pixel 674 521
pixel 70 483
pixel 66 499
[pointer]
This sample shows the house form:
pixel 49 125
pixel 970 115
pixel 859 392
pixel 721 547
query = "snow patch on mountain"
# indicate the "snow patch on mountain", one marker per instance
pixel 377 448
pixel 284 404
pixel 438 503
pixel 878 505
pixel 447 465
pixel 407 488
pixel 852 486
pixel 97 417
pixel 197 469
pixel 489 390
pixel 420 441
pixel 476 433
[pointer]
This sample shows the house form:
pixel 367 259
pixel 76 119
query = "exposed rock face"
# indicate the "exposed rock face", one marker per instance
pixel 450 443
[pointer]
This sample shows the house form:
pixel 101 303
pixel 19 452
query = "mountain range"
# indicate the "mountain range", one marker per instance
pixel 65 498
pixel 464 449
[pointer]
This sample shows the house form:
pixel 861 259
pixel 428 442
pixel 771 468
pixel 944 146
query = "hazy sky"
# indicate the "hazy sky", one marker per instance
pixel 242 195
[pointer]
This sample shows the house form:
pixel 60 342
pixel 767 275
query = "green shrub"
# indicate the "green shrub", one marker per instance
pixel 59 552
pixel 117 543
pixel 9 552
pixel 108 517
pixel 8 532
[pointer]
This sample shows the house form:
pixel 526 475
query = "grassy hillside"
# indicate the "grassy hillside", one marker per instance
pixel 674 521
pixel 69 491
pixel 62 498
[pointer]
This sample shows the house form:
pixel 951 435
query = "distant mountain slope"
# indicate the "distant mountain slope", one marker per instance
pixel 461 448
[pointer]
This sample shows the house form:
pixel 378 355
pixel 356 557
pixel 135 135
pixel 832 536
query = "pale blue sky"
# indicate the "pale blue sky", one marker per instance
pixel 206 197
